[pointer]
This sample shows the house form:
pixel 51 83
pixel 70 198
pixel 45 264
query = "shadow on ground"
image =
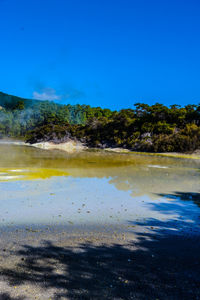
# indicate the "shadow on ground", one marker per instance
pixel 160 263
pixel 161 268
pixel 6 296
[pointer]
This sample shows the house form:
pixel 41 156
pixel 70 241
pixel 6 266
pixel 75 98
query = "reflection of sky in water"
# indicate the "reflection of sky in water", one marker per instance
pixel 68 200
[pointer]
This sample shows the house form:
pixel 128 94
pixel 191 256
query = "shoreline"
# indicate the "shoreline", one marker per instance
pixel 72 147
pixel 75 146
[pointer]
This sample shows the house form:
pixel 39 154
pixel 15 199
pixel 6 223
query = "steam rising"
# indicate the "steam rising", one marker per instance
pixel 46 94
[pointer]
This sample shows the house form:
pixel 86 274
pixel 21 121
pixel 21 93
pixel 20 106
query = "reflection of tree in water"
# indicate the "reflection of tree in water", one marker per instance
pixel 156 265
pixel 184 196
pixel 154 181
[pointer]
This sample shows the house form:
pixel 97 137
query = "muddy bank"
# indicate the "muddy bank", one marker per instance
pixel 73 146
pixel 70 146
pixel 194 155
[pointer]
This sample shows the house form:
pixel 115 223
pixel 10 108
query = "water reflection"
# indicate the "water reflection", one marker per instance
pixel 94 187
pixel 194 197
pixel 139 174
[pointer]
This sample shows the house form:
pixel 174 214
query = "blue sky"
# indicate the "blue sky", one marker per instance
pixel 109 53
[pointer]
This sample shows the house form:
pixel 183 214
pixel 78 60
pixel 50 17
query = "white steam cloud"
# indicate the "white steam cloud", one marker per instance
pixel 46 94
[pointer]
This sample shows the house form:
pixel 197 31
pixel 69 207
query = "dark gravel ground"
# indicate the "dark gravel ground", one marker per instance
pixel 147 265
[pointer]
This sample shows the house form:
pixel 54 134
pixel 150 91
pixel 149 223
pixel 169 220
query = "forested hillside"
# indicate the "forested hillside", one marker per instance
pixel 18 115
pixel 155 128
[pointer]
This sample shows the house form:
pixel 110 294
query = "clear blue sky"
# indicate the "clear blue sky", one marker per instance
pixel 109 53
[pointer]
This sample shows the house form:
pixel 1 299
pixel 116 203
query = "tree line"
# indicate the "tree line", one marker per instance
pixel 153 128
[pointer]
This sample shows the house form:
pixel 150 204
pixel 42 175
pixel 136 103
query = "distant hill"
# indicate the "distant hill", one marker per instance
pixel 28 112
pixel 10 101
